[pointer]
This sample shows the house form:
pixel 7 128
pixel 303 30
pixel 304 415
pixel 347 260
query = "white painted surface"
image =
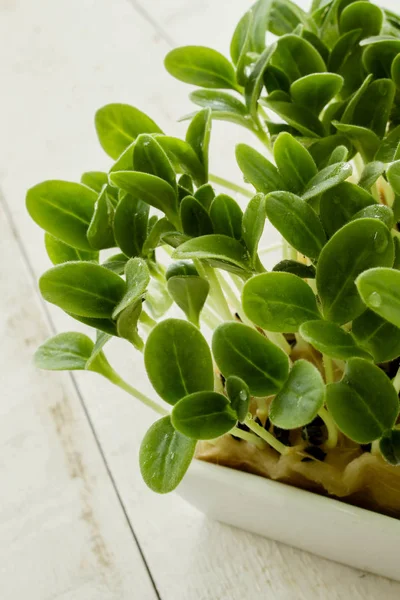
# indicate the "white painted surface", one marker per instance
pixel 59 61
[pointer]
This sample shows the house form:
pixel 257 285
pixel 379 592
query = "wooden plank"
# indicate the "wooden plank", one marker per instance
pixel 117 56
pixel 62 529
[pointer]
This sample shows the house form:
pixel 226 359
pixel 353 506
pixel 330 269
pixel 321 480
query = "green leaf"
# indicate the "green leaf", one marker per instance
pixel 377 336
pixel 285 17
pixel 149 189
pixel 373 108
pixel 393 175
pixel 297 222
pixel 253 225
pixel 64 352
pixel 261 11
pixel 358 246
pixel 149 157
pixel 183 158
pixel 255 81
pixel 239 38
pixel 258 170
pixel 63 209
pixel 328 178
pixel 205 195
pixel 220 250
pixel 339 205
pixel 185 183
pixel 318 44
pixel 155 237
pixel 181 268
pixel 226 216
pixel 364 140
pixel 294 162
pixel 339 154
pixel 118 125
pixel 241 351
pixel 137 279
pixel 116 263
pixel 130 224
pixel 105 325
pixel 276 79
pixel 190 294
pixel 343 49
pixel 387 151
pixel 379 289
pixel 316 90
pixel 97 361
pixel 297 57
pixel 165 456
pixel 95 180
pixel 85 289
pixel 390 447
pixel 127 324
pixel 201 66
pixel 58 252
pixel 371 172
pixel 158 300
pixel 299 117
pixel 239 396
pixel 395 71
pixel 322 150
pixel 364 404
pixel 194 217
pixel 332 340
pixel 296 268
pixel 279 302
pixel 178 360
pixel 101 229
pixel 379 54
pixel 377 211
pixel 203 415
pixel 125 161
pixel 300 399
pixel 220 102
pixel 363 14
pixel 198 136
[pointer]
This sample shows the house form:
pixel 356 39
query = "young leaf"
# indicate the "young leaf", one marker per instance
pixel 255 82
pixel 297 222
pixel 276 79
pixel 299 117
pixel 342 50
pixel 339 205
pixel 377 211
pixel 198 136
pixel 364 404
pixel 379 289
pixel 219 250
pixel 194 217
pixel 364 140
pixel 300 399
pixel 226 216
pixel 64 352
pixel 377 336
pixel 316 90
pixel 253 225
pixel 358 246
pixel 158 300
pixel 296 268
pixel 258 170
pixel 239 396
pixel 329 177
pixel 63 209
pixel 101 229
pixel 127 324
pixel 297 57
pixel 332 340
pixel 183 158
pixel 339 154
pixel 393 175
pixel 373 108
pixel 149 157
pixel 190 294
pixel 178 360
pixel 155 236
pixel 322 150
pixel 137 279
pixel 58 252
pixel 116 263
pixel 261 11
pixel 130 224
pixel 149 189
pixel 104 325
pixel 365 15
pixel 279 302
pixel 372 171
pixel 118 125
pixel 181 268
pixel 239 38
pixel 241 351
pixel 201 66
pixel 390 447
pixel 165 456
pixel 95 180
pixel 84 289
pixel 203 415
pixel 205 195
pixel 294 162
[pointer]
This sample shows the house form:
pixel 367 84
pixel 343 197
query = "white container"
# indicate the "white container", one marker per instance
pixel 332 529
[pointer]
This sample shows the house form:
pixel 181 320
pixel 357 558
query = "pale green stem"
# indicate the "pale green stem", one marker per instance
pixel 292 253
pixel 266 435
pixel 358 165
pixel 147 320
pixel 238 282
pixel 229 185
pixel 271 248
pixel 396 382
pixel 375 192
pixel 209 318
pixel 248 437
pixel 279 340
pixel 216 292
pixel 328 366
pixel 332 440
pixel 117 380
pixel 262 408
pixel 230 294
pixel 375 450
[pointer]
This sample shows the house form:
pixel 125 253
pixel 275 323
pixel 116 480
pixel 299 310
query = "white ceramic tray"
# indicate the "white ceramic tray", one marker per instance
pixel 327 527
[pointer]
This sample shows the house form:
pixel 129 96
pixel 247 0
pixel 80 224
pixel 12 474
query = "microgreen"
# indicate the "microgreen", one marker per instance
pixel 226 334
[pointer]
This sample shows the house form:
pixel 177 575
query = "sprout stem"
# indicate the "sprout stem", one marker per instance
pixel 266 435
pixel 248 437
pixel 229 185
pixel 147 320
pixel 332 440
pixel 328 366
pixel 121 383
pixel 209 318
pixel 216 292
pixel 396 381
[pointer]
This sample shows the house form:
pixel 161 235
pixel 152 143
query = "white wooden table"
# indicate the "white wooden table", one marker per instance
pixel 76 521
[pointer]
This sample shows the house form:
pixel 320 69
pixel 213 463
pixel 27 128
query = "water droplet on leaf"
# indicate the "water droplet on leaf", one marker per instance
pixel 375 300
